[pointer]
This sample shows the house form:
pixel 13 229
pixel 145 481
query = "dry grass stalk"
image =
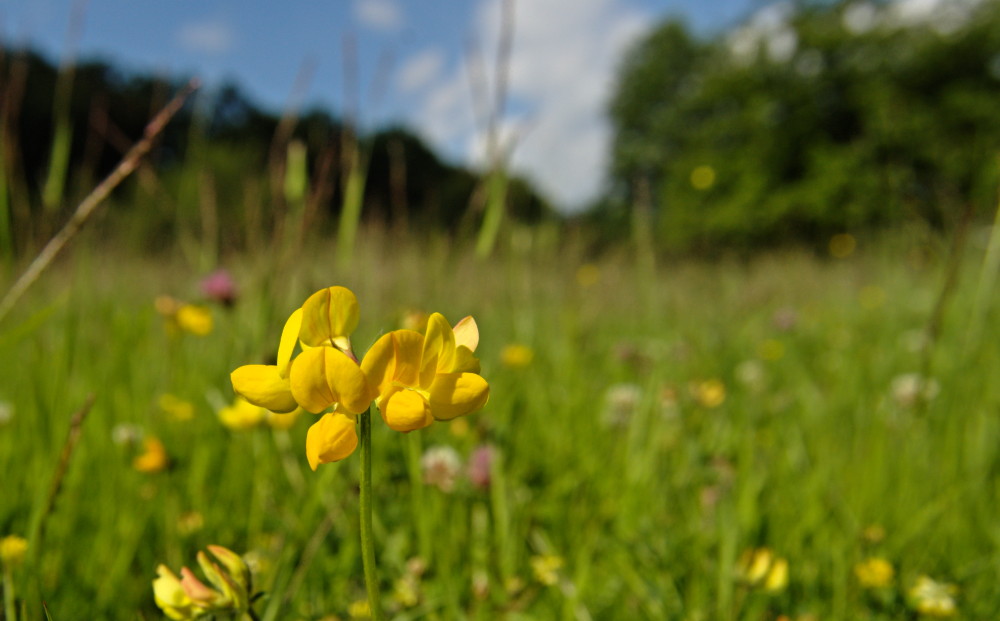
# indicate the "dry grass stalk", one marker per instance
pixel 93 200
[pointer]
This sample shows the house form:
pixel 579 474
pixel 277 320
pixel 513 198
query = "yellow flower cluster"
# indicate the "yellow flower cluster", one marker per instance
pixel 187 597
pixel 414 378
pixel 759 567
pixel 182 317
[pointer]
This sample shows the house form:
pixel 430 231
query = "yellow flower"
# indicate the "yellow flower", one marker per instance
pixel 874 573
pixel 546 568
pixel 175 407
pixel 188 597
pixel 423 378
pixel 170 596
pixel 194 319
pixel 759 567
pixel 153 458
pixel 777 576
pixel 709 393
pixel 516 356
pixel 242 414
pixel 13 550
pixel 184 317
pixel 360 609
pixel 932 598
pixel 325 374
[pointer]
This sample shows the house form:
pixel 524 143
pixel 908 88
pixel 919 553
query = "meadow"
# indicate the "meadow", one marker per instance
pixel 694 439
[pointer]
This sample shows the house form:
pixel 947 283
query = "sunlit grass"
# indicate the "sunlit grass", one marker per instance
pixel 764 410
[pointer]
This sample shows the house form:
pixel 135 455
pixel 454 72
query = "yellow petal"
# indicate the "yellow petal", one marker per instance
pixel 330 439
pixel 328 314
pixel 289 336
pixel 467 333
pixel 167 589
pixel 408 352
pixel 263 385
pixel 457 394
pixel 307 380
pixel 393 359
pixel 347 382
pixel 379 362
pixel 405 410
pixel 439 348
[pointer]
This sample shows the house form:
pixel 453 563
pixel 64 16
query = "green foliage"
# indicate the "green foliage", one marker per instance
pixel 850 131
pixel 648 500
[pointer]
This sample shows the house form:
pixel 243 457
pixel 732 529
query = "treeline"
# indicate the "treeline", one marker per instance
pixel 810 119
pixel 223 167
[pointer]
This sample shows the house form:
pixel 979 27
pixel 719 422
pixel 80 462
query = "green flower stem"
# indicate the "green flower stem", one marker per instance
pixel 8 594
pixel 367 544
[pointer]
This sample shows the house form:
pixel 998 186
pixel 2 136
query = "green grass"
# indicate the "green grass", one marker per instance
pixel 649 516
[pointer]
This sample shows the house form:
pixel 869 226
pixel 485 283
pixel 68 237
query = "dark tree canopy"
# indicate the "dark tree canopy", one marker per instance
pixel 847 128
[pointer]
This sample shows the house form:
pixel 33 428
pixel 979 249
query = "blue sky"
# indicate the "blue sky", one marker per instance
pixel 415 62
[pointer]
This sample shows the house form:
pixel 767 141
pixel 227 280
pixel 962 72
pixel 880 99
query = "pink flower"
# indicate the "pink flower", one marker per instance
pixel 220 287
pixel 480 465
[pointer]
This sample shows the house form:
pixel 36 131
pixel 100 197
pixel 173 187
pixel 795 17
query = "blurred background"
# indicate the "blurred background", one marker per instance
pixel 735 124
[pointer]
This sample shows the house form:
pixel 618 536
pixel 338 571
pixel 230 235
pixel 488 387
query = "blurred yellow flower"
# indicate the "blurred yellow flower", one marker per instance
pixel 760 567
pixel 587 275
pixel 13 549
pixel 932 598
pixel 194 319
pixel 187 598
pixel 176 408
pixel 753 565
pixel 703 177
pixel 242 415
pixel 184 317
pixel 710 393
pixel 153 458
pixel 874 573
pixel 516 356
pixel 842 245
pixel 777 576
pixel 546 568
pixel 360 609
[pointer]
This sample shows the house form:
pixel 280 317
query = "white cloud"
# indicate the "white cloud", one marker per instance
pixel 384 15
pixel 945 16
pixel 208 37
pixel 767 29
pixel 420 70
pixel 563 61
